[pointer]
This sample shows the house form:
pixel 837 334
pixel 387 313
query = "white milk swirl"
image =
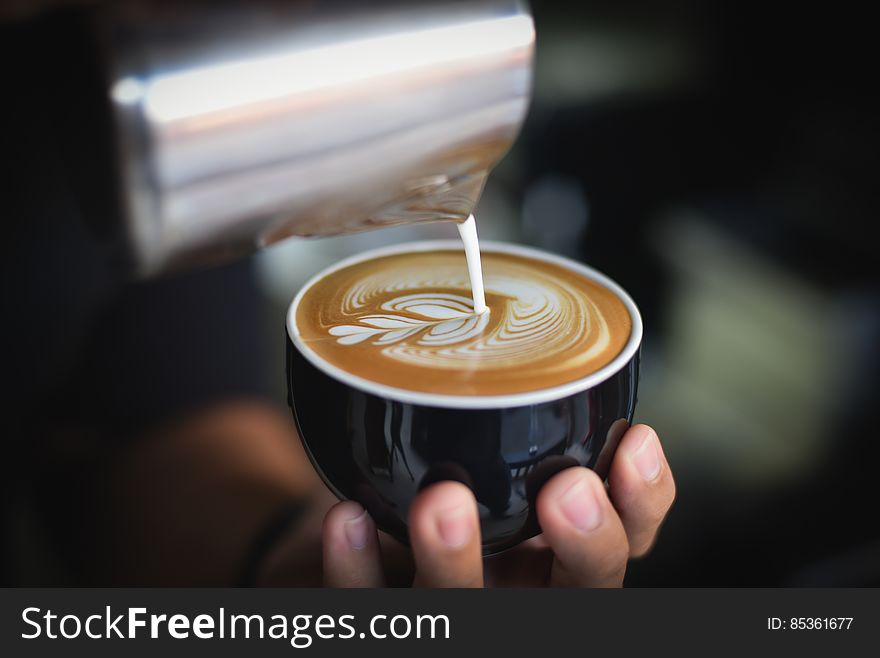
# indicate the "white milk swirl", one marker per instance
pixel 534 316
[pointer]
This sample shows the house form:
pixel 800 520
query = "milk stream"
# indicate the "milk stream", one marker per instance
pixel 468 232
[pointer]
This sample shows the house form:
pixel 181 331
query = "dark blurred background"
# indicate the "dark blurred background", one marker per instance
pixel 717 158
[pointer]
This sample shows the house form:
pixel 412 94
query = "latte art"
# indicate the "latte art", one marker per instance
pixel 436 319
pixel 408 321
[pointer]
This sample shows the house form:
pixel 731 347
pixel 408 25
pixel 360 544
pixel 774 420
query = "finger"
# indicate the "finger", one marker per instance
pixel 583 529
pixel 444 532
pixel 351 548
pixel 641 487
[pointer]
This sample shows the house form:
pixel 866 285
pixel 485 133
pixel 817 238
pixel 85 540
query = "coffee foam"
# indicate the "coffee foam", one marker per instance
pixel 407 321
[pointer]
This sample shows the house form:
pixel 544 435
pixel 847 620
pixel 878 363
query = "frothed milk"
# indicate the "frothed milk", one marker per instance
pixel 468 232
pixel 408 320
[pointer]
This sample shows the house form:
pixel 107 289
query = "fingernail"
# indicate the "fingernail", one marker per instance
pixel 455 526
pixel 647 457
pixel 580 506
pixel 357 531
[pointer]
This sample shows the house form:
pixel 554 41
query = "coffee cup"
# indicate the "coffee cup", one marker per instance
pixel 386 407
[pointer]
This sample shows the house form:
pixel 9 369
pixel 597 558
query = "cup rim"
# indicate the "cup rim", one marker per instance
pixel 449 401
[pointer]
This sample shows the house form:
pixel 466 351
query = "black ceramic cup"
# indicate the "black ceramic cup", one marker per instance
pixel 381 445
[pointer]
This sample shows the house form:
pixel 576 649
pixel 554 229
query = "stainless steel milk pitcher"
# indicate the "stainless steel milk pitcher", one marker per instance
pixel 238 124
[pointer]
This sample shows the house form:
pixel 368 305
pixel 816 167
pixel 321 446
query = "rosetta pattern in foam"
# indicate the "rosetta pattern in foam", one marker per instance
pixel 532 316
